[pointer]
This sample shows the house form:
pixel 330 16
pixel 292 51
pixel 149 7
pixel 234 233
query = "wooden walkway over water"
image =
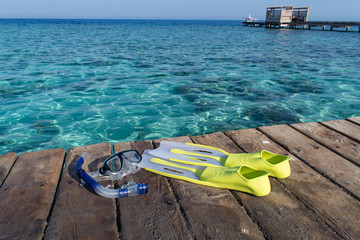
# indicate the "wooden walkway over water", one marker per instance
pixel 331 25
pixel 41 197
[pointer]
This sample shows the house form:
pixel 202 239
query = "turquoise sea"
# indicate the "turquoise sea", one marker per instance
pixel 68 83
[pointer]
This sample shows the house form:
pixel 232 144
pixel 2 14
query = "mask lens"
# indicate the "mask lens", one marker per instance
pixel 131 156
pixel 114 164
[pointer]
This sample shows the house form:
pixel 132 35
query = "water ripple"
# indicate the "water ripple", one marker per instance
pixel 67 83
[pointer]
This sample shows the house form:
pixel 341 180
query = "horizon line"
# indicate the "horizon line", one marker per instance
pixel 160 19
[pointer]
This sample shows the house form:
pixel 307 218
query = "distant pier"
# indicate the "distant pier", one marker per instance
pixel 331 25
pixel 296 17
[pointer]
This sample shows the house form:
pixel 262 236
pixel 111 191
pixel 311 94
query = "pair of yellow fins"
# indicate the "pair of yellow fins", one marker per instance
pixel 214 167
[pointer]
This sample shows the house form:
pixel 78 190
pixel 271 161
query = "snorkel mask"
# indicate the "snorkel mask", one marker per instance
pixel 115 167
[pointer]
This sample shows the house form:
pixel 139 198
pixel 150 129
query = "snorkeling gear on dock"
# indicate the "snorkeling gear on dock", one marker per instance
pixel 210 166
pixel 241 178
pixel 114 168
pixel 201 155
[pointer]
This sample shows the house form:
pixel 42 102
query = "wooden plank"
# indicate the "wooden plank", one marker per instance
pixel 331 139
pixel 155 215
pixel 212 213
pixel 78 212
pixel 279 214
pixel 347 128
pixel 334 206
pixel 354 120
pixel 28 193
pixel 6 162
pixel 317 156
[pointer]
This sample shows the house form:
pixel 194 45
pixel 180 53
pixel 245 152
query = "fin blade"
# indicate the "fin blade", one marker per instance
pixel 195 148
pixel 166 168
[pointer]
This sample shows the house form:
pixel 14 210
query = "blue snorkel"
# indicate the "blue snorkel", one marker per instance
pixel 131 189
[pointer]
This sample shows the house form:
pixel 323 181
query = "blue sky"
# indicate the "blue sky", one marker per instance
pixel 173 9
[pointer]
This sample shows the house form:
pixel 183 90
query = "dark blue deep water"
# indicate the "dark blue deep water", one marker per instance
pixel 67 83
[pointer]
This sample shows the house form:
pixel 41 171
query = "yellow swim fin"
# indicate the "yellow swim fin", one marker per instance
pixel 242 178
pixel 201 155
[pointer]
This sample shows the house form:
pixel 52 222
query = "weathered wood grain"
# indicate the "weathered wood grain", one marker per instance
pixel 347 128
pixel 320 200
pixel 354 120
pixel 155 215
pixel 6 162
pixel 332 205
pixel 333 140
pixel 212 213
pixel 317 156
pixel 279 214
pixel 28 193
pixel 78 212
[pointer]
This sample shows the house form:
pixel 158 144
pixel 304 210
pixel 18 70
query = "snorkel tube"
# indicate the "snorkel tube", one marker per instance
pixel 131 190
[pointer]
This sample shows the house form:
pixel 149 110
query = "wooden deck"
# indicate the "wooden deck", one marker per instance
pixel 41 197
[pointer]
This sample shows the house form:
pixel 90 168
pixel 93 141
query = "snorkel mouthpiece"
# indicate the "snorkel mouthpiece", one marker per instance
pixel 131 189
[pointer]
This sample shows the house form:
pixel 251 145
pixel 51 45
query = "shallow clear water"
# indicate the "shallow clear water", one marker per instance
pixel 68 83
